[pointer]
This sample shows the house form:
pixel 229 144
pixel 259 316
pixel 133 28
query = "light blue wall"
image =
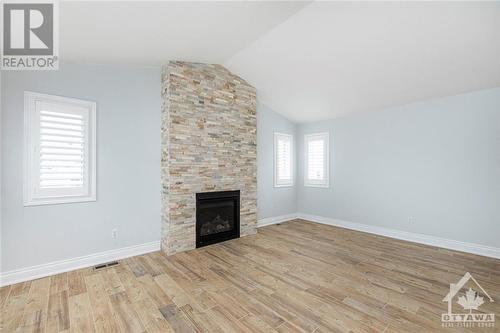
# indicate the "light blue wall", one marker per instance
pixel 271 201
pixel 437 161
pixel 128 166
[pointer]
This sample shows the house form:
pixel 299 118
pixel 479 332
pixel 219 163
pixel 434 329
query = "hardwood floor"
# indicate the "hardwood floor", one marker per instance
pixel 294 277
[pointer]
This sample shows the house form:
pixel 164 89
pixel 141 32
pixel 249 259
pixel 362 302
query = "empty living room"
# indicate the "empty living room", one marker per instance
pixel 250 166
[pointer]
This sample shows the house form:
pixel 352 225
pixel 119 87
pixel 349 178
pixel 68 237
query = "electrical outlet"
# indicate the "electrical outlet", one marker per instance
pixel 114 233
pixel 411 219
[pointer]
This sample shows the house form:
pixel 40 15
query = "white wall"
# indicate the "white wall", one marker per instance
pixel 272 201
pixel 128 172
pixel 436 161
pixel 128 167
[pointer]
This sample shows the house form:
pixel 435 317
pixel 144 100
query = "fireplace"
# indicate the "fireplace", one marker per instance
pixel 217 217
pixel 220 156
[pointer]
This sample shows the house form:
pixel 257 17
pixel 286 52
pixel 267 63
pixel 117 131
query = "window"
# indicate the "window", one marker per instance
pixel 59 150
pixel 283 172
pixel 316 157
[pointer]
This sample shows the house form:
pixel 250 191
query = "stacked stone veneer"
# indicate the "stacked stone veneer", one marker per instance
pixel 209 141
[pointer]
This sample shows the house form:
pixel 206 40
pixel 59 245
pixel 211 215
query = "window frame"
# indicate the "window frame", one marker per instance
pixel 31 190
pixel 277 183
pixel 325 136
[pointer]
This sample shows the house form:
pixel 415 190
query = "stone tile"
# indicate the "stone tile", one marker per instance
pixel 209 143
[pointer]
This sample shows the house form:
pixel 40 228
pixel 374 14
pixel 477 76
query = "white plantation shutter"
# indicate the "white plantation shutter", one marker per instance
pixel 316 160
pixel 283 173
pixel 60 149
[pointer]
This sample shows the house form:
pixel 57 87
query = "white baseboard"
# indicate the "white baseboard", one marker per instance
pixel 56 267
pixel 482 250
pixel 61 266
pixel 276 219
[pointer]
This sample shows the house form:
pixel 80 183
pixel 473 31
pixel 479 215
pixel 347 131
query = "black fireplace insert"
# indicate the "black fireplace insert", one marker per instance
pixel 217 217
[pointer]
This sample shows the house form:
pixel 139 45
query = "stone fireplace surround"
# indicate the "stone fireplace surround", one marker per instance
pixel 209 143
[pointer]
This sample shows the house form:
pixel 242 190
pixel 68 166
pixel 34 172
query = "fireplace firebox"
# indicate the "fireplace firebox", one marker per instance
pixel 217 217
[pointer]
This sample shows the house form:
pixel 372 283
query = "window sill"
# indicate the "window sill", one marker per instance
pixel 57 201
pixel 279 186
pixel 317 185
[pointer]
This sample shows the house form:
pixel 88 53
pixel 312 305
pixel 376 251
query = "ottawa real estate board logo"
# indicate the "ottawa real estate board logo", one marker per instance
pixel 30 38
pixel 469 299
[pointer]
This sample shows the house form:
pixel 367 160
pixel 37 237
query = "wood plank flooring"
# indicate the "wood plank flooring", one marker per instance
pixel 294 277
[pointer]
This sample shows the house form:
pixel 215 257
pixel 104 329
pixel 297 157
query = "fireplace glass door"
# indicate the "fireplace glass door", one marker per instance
pixel 217 217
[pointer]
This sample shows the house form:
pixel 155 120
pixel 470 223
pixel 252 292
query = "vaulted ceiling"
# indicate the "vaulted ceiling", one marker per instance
pixel 153 32
pixel 308 61
pixel 332 59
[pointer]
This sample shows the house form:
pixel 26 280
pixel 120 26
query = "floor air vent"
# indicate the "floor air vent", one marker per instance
pixel 106 265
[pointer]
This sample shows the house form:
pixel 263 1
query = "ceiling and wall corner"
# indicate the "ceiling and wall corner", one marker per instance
pixel 332 59
pixel 309 60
